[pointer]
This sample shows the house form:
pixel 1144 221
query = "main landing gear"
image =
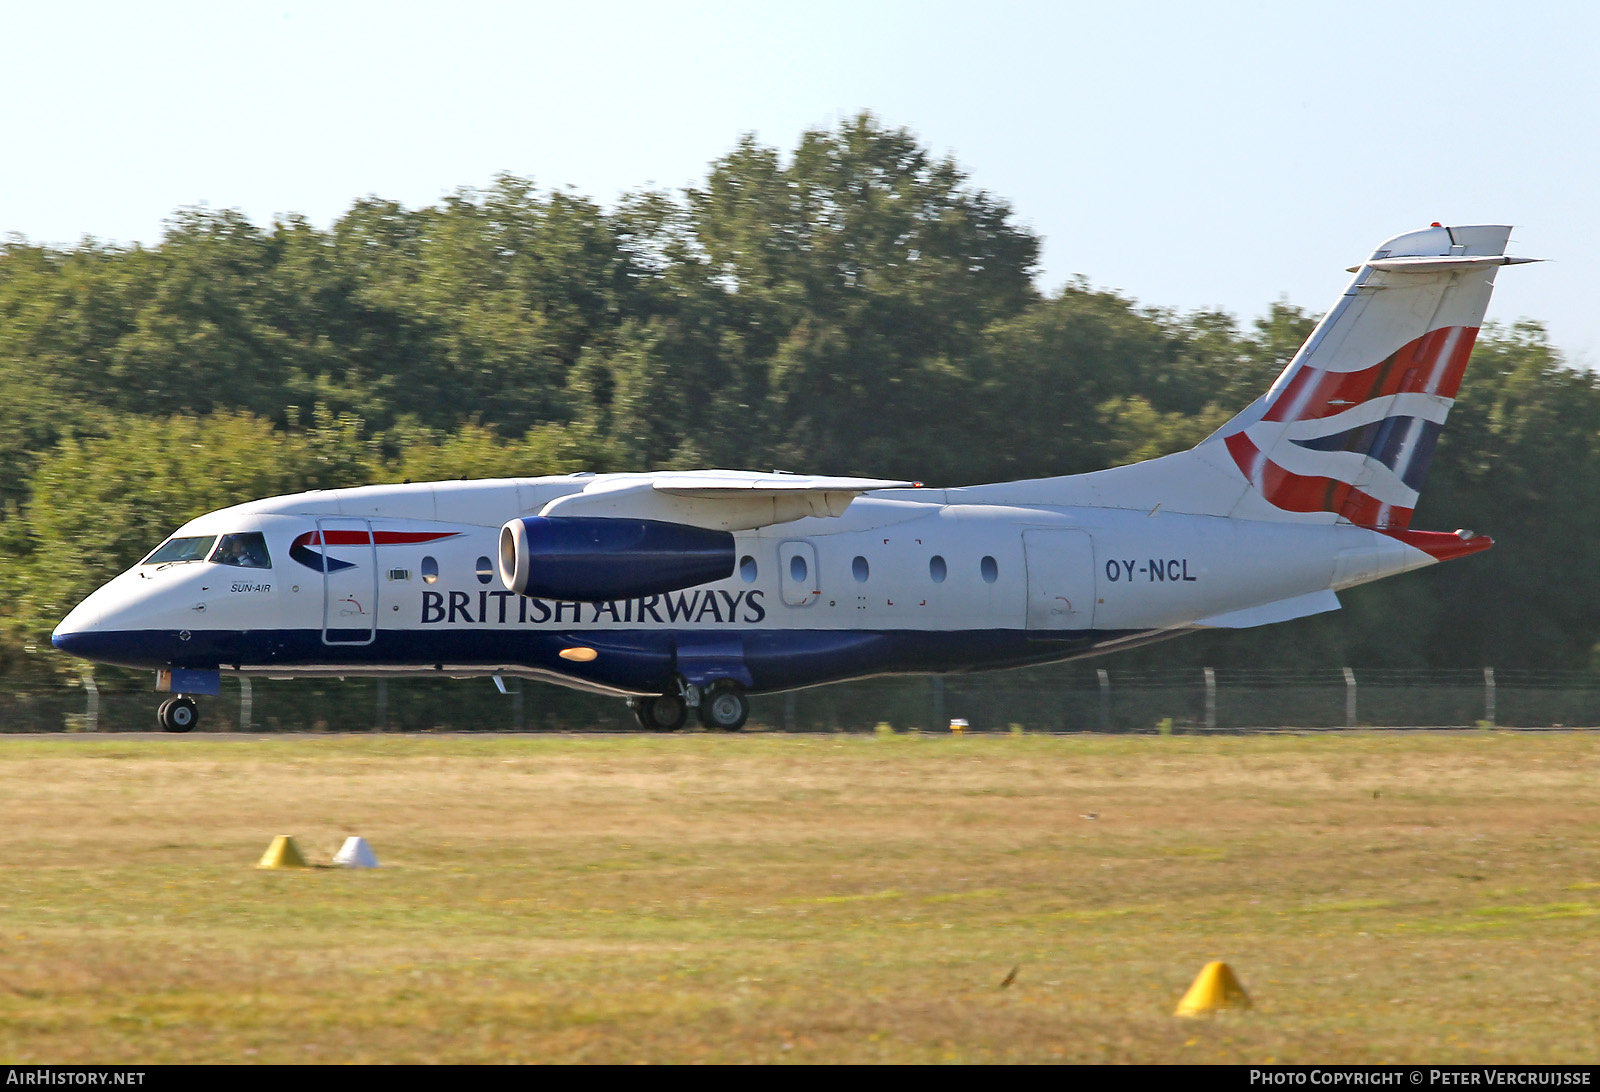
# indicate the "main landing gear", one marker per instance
pixel 664 714
pixel 179 714
pixel 723 707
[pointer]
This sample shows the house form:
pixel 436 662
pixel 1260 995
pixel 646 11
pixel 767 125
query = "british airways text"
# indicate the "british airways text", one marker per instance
pixel 508 608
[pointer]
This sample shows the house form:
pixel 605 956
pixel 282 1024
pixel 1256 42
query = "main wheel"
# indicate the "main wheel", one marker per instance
pixel 178 714
pixel 725 708
pixel 664 714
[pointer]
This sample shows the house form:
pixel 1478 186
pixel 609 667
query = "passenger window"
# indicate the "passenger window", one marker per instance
pixel 797 569
pixel 747 569
pixel 936 569
pixel 246 550
pixel 485 570
pixel 430 570
pixel 180 549
pixel 991 571
pixel 860 570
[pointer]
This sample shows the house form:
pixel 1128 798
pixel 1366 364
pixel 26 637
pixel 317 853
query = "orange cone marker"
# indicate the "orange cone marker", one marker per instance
pixel 1216 987
pixel 283 853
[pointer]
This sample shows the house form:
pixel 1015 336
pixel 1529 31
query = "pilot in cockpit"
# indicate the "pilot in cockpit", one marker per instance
pixel 248 551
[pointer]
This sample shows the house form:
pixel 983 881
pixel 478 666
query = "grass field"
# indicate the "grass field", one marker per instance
pixel 1383 896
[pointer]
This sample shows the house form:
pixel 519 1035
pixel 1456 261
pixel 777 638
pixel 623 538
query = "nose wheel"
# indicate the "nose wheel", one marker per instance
pixel 725 709
pixel 179 714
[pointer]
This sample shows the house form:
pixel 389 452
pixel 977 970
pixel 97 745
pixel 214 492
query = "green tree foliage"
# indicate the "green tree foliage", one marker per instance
pixel 854 306
pixel 813 313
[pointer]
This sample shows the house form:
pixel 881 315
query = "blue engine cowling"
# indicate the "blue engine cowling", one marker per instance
pixel 595 558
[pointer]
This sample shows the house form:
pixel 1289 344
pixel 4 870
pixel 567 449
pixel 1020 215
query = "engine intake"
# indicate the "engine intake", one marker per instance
pixel 594 558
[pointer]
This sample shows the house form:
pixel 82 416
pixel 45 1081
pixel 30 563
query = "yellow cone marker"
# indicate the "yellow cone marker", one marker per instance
pixel 283 853
pixel 1215 987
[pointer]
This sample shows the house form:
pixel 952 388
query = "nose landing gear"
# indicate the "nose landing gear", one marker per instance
pixel 178 714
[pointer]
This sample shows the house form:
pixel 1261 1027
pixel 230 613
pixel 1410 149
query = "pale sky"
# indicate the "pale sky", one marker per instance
pixel 1189 155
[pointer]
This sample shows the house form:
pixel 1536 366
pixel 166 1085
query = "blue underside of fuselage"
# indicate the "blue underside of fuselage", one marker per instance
pixel 626 661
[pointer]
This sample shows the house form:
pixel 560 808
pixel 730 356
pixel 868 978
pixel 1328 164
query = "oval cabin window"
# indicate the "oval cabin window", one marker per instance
pixel 860 570
pixel 936 569
pixel 485 570
pixel 990 571
pixel 430 570
pixel 747 569
pixel 797 569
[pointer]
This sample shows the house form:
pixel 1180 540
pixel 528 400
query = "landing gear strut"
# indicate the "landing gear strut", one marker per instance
pixel 725 708
pixel 179 714
pixel 661 714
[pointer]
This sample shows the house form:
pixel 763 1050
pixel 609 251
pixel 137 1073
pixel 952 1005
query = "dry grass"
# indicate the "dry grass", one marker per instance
pixel 1384 897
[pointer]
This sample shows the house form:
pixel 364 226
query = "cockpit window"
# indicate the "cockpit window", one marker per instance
pixel 181 549
pixel 247 550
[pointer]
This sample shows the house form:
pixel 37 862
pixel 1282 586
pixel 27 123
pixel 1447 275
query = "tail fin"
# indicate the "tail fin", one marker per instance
pixel 1349 427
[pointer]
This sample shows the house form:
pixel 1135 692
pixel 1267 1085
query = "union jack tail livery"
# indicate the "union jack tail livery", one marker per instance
pixel 1349 427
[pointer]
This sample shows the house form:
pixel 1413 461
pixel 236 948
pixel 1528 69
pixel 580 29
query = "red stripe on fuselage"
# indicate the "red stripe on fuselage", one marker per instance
pixel 379 538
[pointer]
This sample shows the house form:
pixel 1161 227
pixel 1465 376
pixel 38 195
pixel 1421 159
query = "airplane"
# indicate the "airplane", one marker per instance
pixel 690 591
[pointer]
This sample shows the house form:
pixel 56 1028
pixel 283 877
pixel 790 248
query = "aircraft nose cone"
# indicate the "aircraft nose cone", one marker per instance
pixel 75 643
pixel 75 633
pixel 71 635
pixel 98 635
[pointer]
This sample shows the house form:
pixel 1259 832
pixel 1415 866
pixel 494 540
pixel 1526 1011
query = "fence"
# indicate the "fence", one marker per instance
pixel 1058 698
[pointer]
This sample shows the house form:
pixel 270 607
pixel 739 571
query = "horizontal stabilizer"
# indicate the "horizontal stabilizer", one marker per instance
pixel 1444 264
pixel 1300 606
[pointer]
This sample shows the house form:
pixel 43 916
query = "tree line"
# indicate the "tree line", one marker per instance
pixel 855 307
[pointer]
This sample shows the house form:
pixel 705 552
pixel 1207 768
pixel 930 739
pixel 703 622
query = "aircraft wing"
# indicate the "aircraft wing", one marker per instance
pixel 724 500
pixel 718 484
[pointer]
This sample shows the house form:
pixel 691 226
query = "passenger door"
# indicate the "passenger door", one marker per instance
pixel 349 580
pixel 1061 579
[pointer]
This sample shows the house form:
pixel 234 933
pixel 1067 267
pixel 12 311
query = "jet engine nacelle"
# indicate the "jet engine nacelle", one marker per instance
pixel 595 558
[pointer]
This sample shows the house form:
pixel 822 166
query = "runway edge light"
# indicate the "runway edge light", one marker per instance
pixel 355 853
pixel 283 853
pixel 1215 987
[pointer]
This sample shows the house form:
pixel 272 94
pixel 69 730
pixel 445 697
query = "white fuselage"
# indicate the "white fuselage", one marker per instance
pixel 903 580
